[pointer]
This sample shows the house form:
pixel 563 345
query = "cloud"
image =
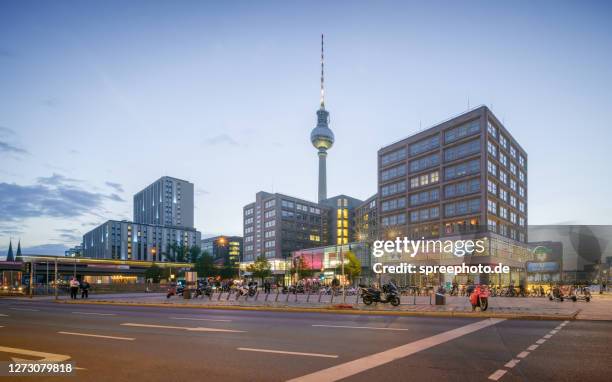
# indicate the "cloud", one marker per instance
pixel 220 139
pixel 46 249
pixel 5 131
pixel 6 147
pixel 55 196
pixel 69 235
pixel 56 180
pixel 10 229
pixel 116 186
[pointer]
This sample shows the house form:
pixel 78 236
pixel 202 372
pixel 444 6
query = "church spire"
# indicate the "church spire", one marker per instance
pixel 9 254
pixel 18 255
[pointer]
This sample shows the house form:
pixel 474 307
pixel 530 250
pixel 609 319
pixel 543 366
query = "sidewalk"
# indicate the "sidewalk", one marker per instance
pixel 600 308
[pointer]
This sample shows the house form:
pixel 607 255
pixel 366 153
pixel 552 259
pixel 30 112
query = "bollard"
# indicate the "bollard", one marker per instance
pixel 320 294
pixel 308 296
pixel 266 299
pixel 430 299
pixel 277 293
pixel 288 293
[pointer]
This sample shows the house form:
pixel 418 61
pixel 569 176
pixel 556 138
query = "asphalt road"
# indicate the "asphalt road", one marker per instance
pixel 121 343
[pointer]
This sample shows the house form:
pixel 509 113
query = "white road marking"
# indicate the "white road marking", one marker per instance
pixel 197 329
pixel 199 319
pixel 512 363
pixel 548 336
pixel 46 357
pixel 26 309
pixel 357 366
pixel 532 347
pixel 95 314
pixel 540 341
pixel 522 354
pixel 357 327
pixel 290 352
pixel 97 336
pixel 559 327
pixel 3 315
pixel 497 375
pixel 553 331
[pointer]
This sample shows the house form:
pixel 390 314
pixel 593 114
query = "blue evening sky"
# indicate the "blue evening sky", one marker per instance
pixel 100 98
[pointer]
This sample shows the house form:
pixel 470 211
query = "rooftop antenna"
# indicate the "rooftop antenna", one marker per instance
pixel 322 75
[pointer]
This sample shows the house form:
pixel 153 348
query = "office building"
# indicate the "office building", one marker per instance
pixel 225 250
pixel 467 175
pixel 125 240
pixel 276 224
pixel 166 202
pixel 366 220
pixel 341 218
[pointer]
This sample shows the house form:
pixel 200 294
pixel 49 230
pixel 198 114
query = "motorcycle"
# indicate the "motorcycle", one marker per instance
pixel 370 295
pixel 480 298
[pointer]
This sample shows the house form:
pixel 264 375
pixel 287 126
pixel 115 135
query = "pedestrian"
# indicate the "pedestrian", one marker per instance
pixel 74 288
pixel 85 289
pixel 266 286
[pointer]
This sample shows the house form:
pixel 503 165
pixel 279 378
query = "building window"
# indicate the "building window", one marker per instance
pixel 521 160
pixel 393 204
pixel 287 204
pixel 463 207
pixel 491 148
pixel 491 129
pixel 491 206
pixel 503 194
pixel 503 176
pixel 394 156
pixel 513 217
pixel 462 150
pixel 503 212
pixel 467 129
pixel 512 152
pixel 462 169
pixel 513 201
pixel 522 221
pixel 502 141
pixel 491 167
pixel 424 197
pixel 522 207
pixel 513 184
pixel 423 163
pixel 424 145
pixel 424 214
pixel 393 172
pixel 513 168
pixel 491 187
pixel 395 188
pixel 270 203
pixel 492 224
pixel 423 180
pixel 522 176
pixel 521 191
pixel 462 188
pixel 503 159
pixel 393 220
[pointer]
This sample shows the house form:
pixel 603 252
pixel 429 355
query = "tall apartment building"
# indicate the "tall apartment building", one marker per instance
pixel 167 202
pixel 465 175
pixel 127 240
pixel 366 220
pixel 276 224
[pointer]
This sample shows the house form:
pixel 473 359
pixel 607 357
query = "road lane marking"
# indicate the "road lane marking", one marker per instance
pixel 3 315
pixel 540 341
pixel 192 329
pixel 199 319
pixel 46 357
pixel 497 375
pixel 357 327
pixel 522 354
pixel 547 336
pixel 95 314
pixel 512 363
pixel 26 309
pixel 533 347
pixel 290 352
pixel 357 366
pixel 97 336
pixel 559 327
pixel 553 331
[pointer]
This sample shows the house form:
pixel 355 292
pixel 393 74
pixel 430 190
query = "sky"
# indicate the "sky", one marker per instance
pixel 98 99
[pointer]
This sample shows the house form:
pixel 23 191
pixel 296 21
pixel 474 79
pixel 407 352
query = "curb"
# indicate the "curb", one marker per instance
pixel 511 316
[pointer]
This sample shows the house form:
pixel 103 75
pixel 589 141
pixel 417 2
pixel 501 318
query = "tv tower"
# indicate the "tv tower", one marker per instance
pixel 322 137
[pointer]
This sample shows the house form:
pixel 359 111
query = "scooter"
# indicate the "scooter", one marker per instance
pixel 370 295
pixel 480 298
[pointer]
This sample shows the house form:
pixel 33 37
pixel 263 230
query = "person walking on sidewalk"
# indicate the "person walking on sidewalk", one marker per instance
pixel 85 289
pixel 74 288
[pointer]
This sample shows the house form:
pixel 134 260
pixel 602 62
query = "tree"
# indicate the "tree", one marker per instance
pixel 227 271
pixel 301 268
pixel 194 253
pixel 352 266
pixel 260 268
pixel 154 272
pixel 204 265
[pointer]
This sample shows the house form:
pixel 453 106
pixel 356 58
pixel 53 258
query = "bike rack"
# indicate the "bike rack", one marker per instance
pixel 277 293
pixel 308 297
pixel 228 295
pixel 320 294
pixel 288 294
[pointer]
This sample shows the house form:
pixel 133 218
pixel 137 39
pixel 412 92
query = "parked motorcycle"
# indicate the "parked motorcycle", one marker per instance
pixel 370 295
pixel 480 298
